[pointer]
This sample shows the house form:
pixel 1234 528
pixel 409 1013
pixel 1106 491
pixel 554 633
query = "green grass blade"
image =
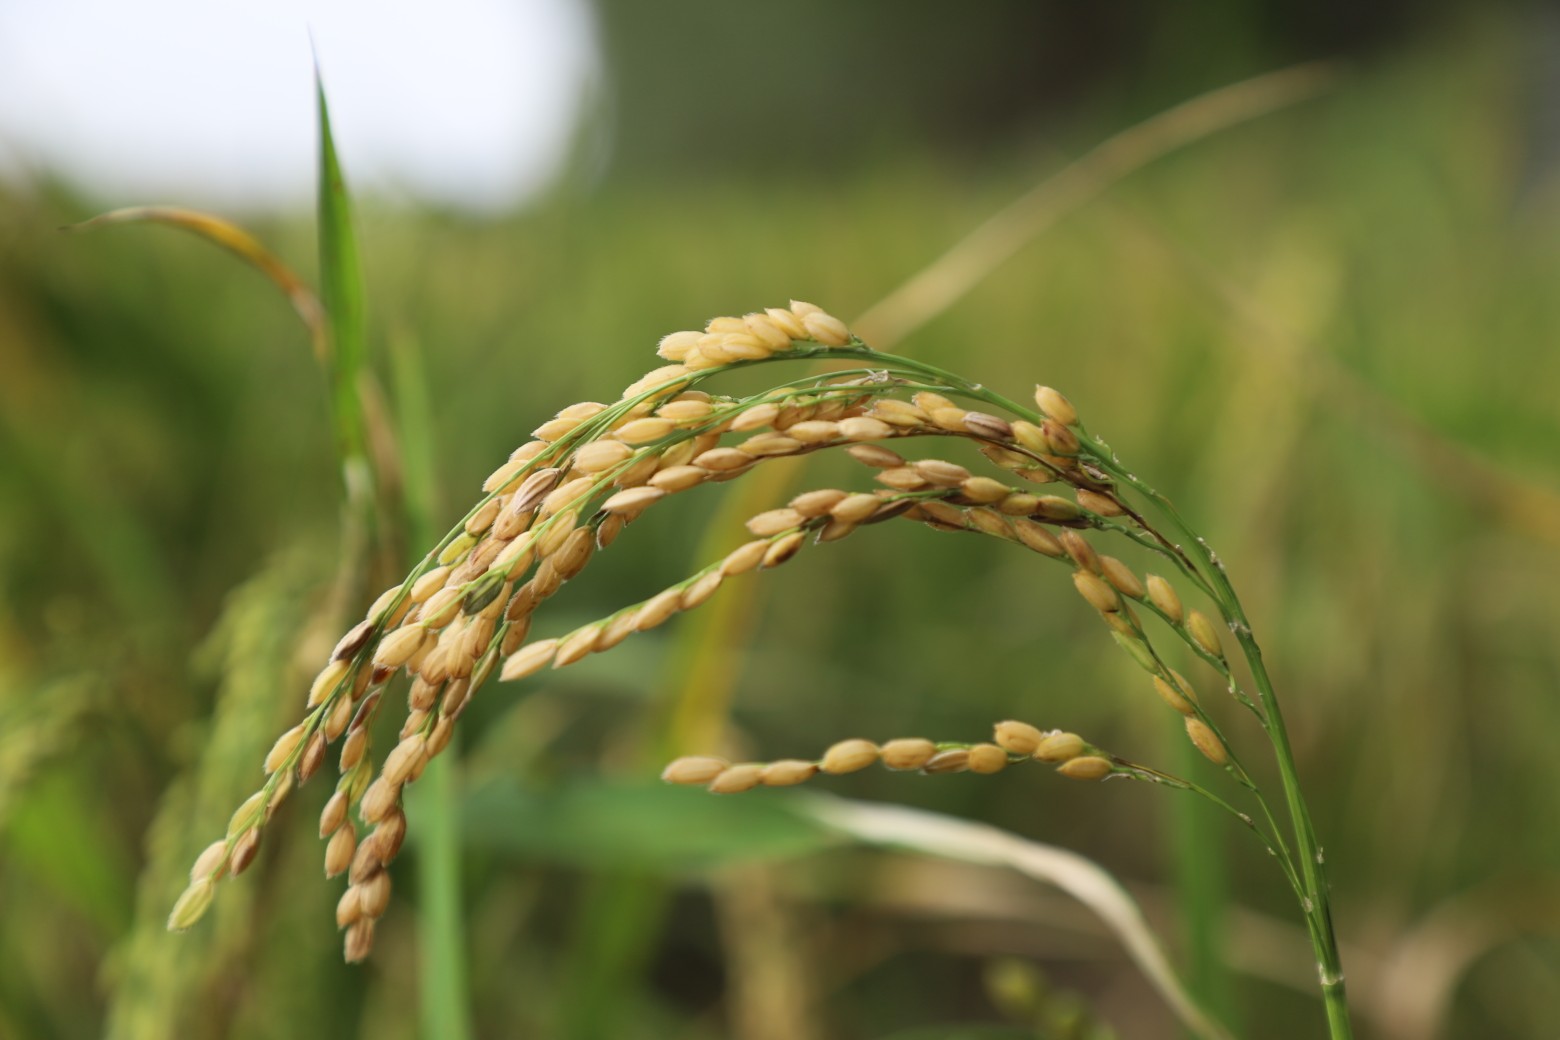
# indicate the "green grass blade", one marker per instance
pixel 442 977
pixel 414 425
pixel 341 289
pixel 1201 881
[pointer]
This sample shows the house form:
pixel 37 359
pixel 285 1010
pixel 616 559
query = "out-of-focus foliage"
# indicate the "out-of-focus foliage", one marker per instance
pixel 1329 336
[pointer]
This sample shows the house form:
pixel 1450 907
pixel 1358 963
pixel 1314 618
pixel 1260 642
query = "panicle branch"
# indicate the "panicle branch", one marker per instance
pixel 1011 742
pixel 467 610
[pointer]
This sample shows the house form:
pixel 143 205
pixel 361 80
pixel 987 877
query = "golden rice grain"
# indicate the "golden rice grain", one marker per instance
pixel 990 522
pixel 1206 741
pixel 1020 738
pixel 864 428
pixel 1030 436
pixel 1059 747
pixel 1059 439
pixel 907 753
pixel 876 456
pixel 701 590
pixel 826 329
pixel 1121 576
pixel 528 660
pixel 849 756
pixel 212 859
pixel 679 478
pixel 787 772
pixel 598 456
pixel 245 849
pixel 378 800
pixel 954 760
pixel 941 473
pixel 983 490
pixel 381 613
pixel 787 322
pixel 1163 595
pixel 643 431
pixel 983 425
pixel 1178 696
pixel 783 548
pixel 774 521
pixel 723 459
pixel 767 331
pixel 663 381
pixel 755 418
pixel 737 779
pixel 398 647
pixel 768 445
pixel 571 557
pixel 633 500
pixel 987 758
pixel 675 346
pixel 1018 503
pixel 330 677
pixel 745 557
pixel 339 850
pixel 854 508
pixel 280 751
pixel 192 904
pixel 660 607
pixel 1054 507
pixel 359 941
pixel 1080 550
pixel 577 646
pixel 1203 633
pixel 1096 591
pixel 684 411
pixel 816 503
pixel 902 478
pixel 1036 537
pixel 374 896
pixel 1054 405
pixel 899 413
pixel 1102 504
pixel 1089 767
pixel 694 769
pixel 815 431
pixel 950 419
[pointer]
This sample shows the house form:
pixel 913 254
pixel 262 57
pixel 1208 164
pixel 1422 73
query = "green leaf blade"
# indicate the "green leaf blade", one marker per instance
pixel 341 289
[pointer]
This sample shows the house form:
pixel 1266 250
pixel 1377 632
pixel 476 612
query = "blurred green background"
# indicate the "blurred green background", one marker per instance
pixel 1330 335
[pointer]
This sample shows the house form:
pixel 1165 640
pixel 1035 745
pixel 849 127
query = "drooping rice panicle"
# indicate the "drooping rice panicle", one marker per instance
pixel 467 609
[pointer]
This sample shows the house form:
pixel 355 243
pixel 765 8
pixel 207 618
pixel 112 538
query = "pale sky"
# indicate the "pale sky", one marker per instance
pixel 471 103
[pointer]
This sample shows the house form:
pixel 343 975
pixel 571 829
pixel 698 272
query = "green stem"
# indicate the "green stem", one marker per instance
pixel 1314 902
pixel 442 977
pixel 1200 877
pixel 442 973
pixel 1318 906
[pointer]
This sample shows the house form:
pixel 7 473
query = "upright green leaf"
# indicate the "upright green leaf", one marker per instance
pixel 444 1002
pixel 341 288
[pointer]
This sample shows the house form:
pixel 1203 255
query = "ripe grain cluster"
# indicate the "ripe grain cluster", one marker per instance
pixel 468 610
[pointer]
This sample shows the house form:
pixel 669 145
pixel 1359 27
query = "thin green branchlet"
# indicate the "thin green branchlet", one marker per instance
pixel 466 610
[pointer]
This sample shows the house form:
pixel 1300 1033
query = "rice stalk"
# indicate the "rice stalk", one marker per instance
pixel 467 609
